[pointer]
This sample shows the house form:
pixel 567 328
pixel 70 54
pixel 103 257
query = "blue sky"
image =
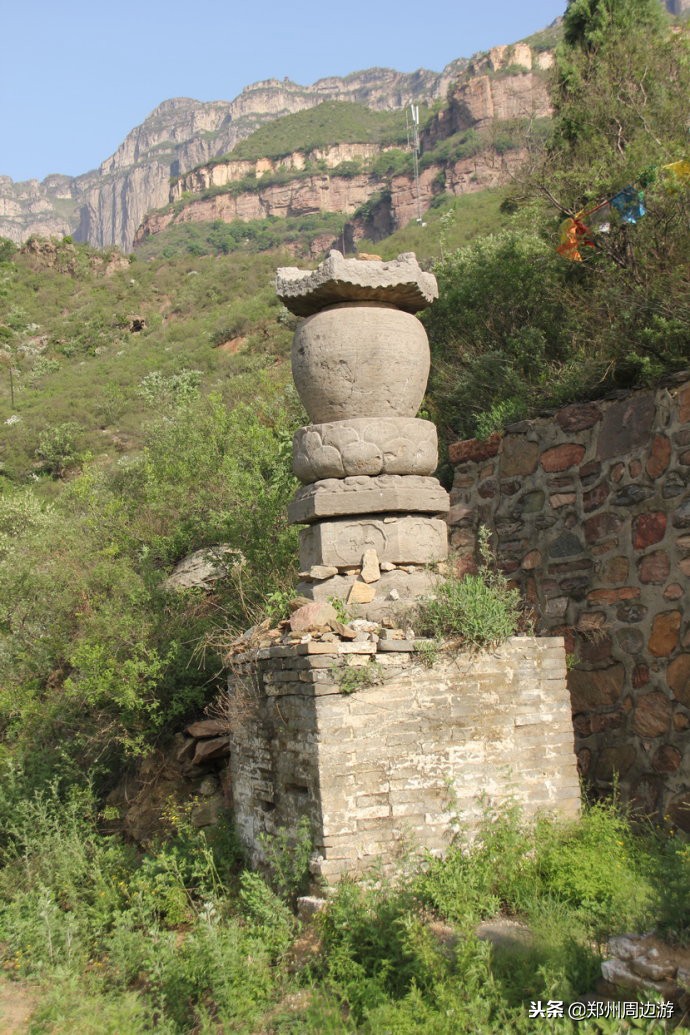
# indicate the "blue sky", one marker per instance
pixel 75 77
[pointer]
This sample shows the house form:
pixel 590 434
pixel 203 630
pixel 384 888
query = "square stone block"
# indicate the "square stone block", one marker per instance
pixel 400 540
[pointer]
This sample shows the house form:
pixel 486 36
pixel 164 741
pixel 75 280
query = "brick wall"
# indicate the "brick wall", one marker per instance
pixel 590 511
pixel 387 768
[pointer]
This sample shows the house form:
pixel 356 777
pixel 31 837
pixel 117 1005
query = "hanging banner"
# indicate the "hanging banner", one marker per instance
pixel 629 204
pixel 574 235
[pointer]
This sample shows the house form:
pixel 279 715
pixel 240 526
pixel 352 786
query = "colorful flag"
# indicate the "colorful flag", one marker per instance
pixel 574 234
pixel 681 169
pixel 629 204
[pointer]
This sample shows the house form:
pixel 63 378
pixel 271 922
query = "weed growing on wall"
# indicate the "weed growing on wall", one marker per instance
pixel 480 608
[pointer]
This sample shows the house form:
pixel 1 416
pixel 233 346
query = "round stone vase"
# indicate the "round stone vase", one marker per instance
pixel 360 359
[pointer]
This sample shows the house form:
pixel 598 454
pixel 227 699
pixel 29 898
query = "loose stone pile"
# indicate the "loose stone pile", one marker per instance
pixel 315 628
pixel 645 964
pixel 360 361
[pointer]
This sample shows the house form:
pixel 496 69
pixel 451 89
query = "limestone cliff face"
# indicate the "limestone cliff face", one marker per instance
pixel 220 174
pixel 326 192
pixel 45 209
pixel 108 204
pixel 506 83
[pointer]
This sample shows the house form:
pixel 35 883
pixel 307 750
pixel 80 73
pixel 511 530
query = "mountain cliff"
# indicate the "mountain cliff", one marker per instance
pixel 104 207
pixel 480 130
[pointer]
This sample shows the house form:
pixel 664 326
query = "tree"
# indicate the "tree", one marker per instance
pixel 620 98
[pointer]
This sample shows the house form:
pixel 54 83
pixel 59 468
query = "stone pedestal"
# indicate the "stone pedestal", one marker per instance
pixel 360 361
pixel 393 767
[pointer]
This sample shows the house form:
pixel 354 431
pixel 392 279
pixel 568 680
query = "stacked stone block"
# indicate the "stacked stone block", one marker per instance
pixel 591 515
pixel 360 361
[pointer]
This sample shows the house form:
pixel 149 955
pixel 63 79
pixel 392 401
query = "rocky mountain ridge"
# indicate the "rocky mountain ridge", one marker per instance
pixel 506 84
pixel 105 206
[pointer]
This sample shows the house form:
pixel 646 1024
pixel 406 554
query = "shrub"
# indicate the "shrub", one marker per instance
pixel 480 608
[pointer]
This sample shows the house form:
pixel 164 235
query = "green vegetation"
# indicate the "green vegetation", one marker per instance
pixel 480 609
pixel 255 235
pixel 449 224
pixel 183 938
pixel 333 122
pixel 66 336
pixel 147 411
pixel 518 327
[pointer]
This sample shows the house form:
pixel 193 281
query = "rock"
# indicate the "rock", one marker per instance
pixel 370 567
pixel 474 449
pixel 659 456
pixel 202 568
pixel 346 632
pixel 207 728
pixel 624 947
pixel 401 646
pixel 626 425
pixel 365 446
pixel 597 689
pixel 518 456
pixel 361 593
pixel 665 633
pixel 616 972
pixel 386 566
pixel 297 602
pixel 399 282
pixel 186 752
pixel 308 906
pixel 338 497
pixel 560 458
pixel 402 540
pixel 207 750
pixel 408 589
pixel 578 417
pixel 652 715
pixel 649 529
pixel 207 812
pixel 322 571
pixel 678 678
pixel 208 786
pixel 312 616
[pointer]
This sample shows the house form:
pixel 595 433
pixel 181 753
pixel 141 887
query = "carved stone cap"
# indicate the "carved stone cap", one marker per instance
pixel 400 282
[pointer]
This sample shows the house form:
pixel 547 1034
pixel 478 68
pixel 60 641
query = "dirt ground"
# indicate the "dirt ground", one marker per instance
pixel 17 1003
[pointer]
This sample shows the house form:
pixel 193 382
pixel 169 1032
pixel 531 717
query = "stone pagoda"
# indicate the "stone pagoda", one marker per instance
pixel 345 724
pixel 373 515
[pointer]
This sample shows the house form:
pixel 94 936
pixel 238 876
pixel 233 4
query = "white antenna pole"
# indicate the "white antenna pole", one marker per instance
pixel 414 119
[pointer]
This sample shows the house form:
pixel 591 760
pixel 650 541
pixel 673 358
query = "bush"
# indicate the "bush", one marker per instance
pixel 479 608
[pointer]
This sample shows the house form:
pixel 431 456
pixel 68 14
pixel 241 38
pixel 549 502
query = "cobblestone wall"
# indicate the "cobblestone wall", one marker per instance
pixel 385 769
pixel 591 515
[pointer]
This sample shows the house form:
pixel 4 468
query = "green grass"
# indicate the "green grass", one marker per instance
pixel 450 223
pixel 76 360
pixel 182 938
pixel 333 122
pixel 256 235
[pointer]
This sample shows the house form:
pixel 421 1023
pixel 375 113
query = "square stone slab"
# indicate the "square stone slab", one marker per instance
pixel 400 282
pixel 387 493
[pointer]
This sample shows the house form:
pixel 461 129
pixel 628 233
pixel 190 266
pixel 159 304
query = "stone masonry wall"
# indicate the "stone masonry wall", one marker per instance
pixel 386 768
pixel 590 511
